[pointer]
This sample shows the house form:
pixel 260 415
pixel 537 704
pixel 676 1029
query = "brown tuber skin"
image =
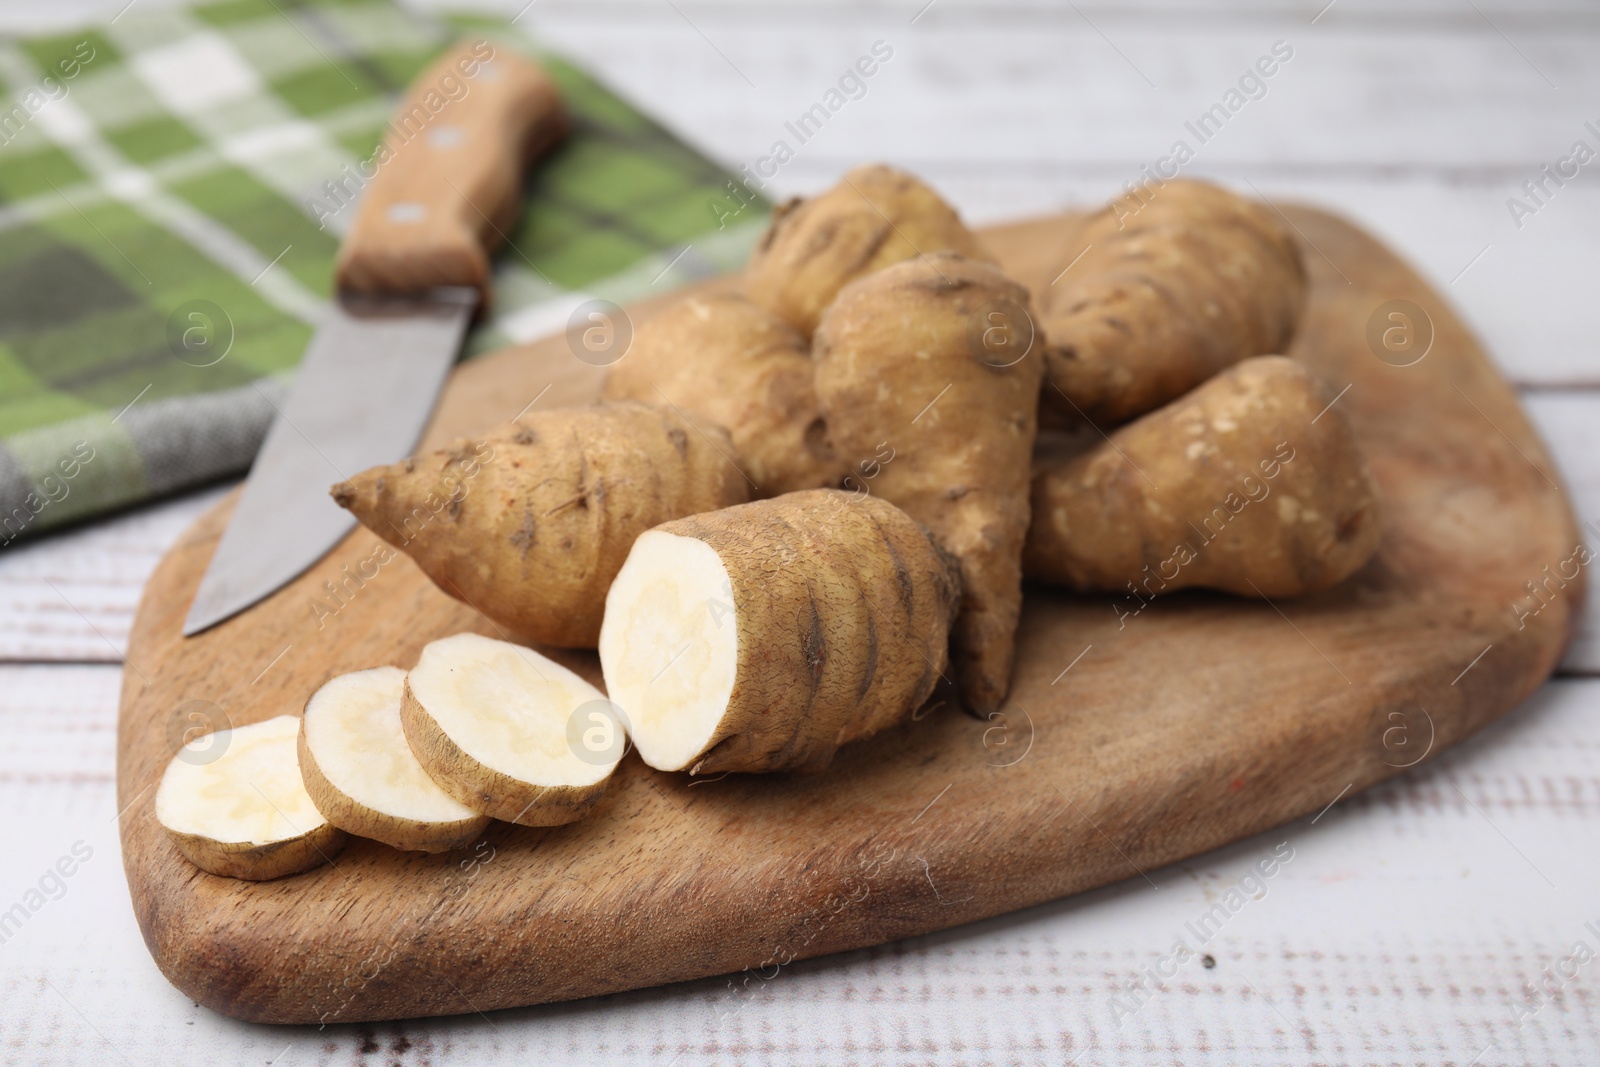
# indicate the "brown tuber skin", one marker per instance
pixel 1167 292
pixel 876 216
pixel 263 863
pixel 935 359
pixel 1233 487
pixel 743 368
pixel 530 524
pixel 844 606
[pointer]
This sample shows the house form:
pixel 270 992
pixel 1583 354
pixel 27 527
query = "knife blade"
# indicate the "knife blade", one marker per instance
pixel 412 270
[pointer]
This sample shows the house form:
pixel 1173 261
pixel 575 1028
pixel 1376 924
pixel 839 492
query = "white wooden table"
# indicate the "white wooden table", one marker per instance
pixel 1436 919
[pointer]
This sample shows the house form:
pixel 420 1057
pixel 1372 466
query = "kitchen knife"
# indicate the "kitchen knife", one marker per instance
pixel 412 270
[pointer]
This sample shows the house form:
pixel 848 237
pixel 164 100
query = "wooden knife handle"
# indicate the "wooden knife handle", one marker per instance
pixel 448 177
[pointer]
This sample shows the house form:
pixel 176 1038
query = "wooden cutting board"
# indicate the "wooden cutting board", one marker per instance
pixel 1126 745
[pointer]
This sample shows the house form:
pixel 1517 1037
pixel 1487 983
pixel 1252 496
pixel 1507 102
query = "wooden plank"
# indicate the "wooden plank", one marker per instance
pixel 1363 940
pixel 58 725
pixel 1509 14
pixel 71 595
pixel 1450 120
pixel 1433 93
pixel 1364 948
pixel 1570 423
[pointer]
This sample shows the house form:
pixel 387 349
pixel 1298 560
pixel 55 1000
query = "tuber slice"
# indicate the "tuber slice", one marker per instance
pixel 875 216
pixel 745 369
pixel 1252 484
pixel 933 363
pixel 1156 295
pixel 530 524
pixel 764 636
pixel 508 732
pixel 362 775
pixel 235 804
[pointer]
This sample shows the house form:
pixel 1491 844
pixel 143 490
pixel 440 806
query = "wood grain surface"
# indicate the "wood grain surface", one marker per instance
pixel 1124 746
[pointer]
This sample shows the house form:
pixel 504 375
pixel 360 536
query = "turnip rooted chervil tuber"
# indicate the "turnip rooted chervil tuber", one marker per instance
pixel 529 524
pixel 1156 295
pixel 876 216
pixel 1252 484
pixel 764 636
pixel 745 369
pixel 935 358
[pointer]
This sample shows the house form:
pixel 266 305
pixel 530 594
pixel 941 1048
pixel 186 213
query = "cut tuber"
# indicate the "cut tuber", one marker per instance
pixel 764 636
pixel 508 732
pixel 235 804
pixel 362 774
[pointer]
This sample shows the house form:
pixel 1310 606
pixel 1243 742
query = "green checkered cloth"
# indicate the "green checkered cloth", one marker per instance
pixel 161 260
